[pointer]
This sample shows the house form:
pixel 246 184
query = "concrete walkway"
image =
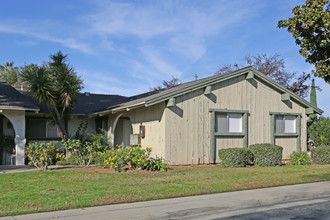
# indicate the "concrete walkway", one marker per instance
pixel 212 206
pixel 16 168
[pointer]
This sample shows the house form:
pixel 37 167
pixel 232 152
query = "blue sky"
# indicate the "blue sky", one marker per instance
pixel 126 47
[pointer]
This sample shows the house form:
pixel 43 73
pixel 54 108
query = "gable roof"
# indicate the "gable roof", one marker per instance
pixel 10 98
pixel 203 83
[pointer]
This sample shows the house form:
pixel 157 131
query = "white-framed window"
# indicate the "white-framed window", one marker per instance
pixel 43 128
pixel 285 124
pixel 228 122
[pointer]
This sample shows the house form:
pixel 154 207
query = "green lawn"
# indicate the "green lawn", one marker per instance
pixel 72 188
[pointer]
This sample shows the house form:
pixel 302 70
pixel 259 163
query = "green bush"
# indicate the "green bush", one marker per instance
pixel 43 154
pixel 235 157
pixel 319 131
pixel 133 157
pixel 321 154
pixel 156 164
pixel 86 148
pixel 266 154
pixel 300 158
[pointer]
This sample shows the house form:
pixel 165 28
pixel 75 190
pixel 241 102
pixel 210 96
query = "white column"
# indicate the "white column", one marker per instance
pixel 17 119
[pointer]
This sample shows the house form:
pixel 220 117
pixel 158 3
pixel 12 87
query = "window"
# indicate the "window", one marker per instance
pixel 228 123
pixel 42 128
pixel 285 124
pixel 101 124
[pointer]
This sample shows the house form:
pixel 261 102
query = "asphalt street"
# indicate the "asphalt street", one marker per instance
pixel 319 211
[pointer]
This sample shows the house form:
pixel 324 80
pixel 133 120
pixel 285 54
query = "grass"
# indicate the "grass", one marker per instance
pixel 73 188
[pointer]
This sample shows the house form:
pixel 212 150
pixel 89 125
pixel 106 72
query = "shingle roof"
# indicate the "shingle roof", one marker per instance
pixel 87 103
pixel 162 93
pixel 202 83
pixel 10 97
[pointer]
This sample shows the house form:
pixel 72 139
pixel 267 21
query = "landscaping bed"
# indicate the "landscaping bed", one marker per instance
pixel 82 187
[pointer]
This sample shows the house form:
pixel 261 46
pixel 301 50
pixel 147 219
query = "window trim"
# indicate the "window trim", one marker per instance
pixel 243 134
pixel 297 134
pixel 285 133
pixel 47 123
pixel 228 133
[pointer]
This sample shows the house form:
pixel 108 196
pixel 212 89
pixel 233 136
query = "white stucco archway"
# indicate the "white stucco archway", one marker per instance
pixel 121 130
pixel 17 119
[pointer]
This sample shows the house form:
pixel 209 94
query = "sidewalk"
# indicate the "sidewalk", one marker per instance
pixel 16 169
pixel 210 206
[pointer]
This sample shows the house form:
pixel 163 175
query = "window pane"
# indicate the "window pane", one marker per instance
pixel 279 124
pixel 221 123
pixel 234 122
pixel 51 130
pixel 290 124
pixel 37 128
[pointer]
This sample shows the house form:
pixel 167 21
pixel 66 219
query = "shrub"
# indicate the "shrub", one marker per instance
pixel 321 154
pixel 319 131
pixel 235 157
pixel 84 149
pixel 156 164
pixel 133 157
pixel 43 154
pixel 266 154
pixel 300 158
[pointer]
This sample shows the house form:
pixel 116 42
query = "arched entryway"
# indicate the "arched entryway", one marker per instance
pixel 16 119
pixel 122 130
pixel 7 141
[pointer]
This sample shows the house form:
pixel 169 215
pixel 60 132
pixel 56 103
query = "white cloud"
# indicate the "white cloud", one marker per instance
pixel 21 28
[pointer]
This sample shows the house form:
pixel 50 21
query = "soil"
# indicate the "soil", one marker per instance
pixel 139 171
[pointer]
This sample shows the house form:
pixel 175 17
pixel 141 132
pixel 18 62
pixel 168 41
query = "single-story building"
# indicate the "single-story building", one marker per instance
pixel 185 124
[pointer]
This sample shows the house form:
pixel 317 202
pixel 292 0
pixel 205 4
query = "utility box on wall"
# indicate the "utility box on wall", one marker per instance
pixel 134 139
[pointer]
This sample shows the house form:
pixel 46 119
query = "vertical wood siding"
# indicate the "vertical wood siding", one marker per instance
pixel 187 132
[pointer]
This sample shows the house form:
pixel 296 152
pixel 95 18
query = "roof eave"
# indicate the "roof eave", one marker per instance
pixel 229 76
pixel 21 108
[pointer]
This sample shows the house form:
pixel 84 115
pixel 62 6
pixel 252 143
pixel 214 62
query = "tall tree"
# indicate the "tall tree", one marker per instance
pixel 9 73
pixel 167 84
pixel 310 26
pixel 313 101
pixel 274 67
pixel 55 84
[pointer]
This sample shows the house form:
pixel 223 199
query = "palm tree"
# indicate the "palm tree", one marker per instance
pixel 54 84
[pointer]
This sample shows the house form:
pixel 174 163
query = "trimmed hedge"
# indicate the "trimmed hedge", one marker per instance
pixel 235 157
pixel 321 154
pixel 300 158
pixel 266 154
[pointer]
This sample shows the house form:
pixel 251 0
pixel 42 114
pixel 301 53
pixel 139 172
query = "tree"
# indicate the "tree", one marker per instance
pixel 313 101
pixel 54 84
pixel 274 67
pixel 9 73
pixel 167 84
pixel 310 26
pixel 319 131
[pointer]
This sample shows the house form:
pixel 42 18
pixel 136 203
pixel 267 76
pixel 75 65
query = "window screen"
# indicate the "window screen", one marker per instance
pixel 285 124
pixel 51 130
pixel 221 123
pixel 37 128
pixel 234 123
pixel 228 122
pixel 290 124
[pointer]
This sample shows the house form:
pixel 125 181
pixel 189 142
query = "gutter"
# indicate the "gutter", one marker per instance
pixel 19 108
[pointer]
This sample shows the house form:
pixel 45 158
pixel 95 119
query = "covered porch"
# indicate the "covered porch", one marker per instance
pixel 13 107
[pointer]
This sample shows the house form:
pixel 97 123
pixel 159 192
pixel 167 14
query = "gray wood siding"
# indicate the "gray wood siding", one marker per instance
pixel 154 121
pixel 187 133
